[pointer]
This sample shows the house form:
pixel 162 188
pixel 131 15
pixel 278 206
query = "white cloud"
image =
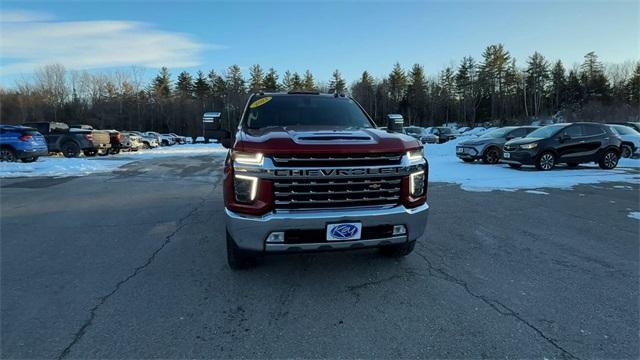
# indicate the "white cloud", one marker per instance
pixel 28 41
pixel 7 16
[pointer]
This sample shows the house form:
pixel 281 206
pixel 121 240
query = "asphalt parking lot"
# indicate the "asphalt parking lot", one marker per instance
pixel 132 264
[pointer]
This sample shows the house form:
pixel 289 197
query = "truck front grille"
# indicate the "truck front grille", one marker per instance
pixel 336 193
pixel 337 160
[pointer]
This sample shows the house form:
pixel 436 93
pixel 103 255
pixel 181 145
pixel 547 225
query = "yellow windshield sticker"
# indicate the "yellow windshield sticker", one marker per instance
pixel 260 102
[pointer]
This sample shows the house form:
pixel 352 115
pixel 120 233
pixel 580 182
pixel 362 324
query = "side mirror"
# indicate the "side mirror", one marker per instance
pixel 226 140
pixel 395 122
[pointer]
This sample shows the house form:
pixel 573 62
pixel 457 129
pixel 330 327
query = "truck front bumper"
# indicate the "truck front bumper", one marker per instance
pixel 251 232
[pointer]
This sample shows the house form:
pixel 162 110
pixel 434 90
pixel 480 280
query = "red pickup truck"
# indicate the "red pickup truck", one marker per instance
pixel 311 172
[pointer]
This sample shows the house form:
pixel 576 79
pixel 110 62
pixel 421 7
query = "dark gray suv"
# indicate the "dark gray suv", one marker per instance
pixel 488 147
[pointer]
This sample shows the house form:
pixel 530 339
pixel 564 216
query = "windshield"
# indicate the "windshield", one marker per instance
pixel 623 130
pixel 545 132
pixel 309 110
pixel 497 133
pixel 413 130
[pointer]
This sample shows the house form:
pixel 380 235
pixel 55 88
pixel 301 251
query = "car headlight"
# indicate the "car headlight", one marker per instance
pixel 245 187
pixel 248 158
pixel 529 146
pixel 415 154
pixel 416 184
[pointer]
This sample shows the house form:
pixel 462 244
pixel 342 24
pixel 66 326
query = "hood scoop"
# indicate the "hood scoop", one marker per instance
pixel 333 137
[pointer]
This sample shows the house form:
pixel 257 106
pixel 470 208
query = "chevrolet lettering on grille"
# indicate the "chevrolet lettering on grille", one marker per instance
pixel 337 172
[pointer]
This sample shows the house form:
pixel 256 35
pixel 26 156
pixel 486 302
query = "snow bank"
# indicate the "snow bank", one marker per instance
pixel 446 167
pixel 634 215
pixel 61 166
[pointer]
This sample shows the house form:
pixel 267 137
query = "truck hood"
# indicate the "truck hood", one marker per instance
pixel 318 140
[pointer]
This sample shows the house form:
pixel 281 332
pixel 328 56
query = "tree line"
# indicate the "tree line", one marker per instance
pixel 492 89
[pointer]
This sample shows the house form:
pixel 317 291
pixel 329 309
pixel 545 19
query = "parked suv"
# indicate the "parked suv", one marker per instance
pixel 420 134
pixel 310 172
pixel 20 142
pixel 488 147
pixel 444 134
pixel 572 144
pixel 70 142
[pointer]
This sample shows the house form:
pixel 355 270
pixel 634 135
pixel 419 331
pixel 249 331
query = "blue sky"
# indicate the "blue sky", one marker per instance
pixel 321 36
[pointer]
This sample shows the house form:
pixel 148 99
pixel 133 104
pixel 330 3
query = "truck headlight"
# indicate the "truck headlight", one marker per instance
pixel 415 154
pixel 248 158
pixel 416 184
pixel 529 146
pixel 245 187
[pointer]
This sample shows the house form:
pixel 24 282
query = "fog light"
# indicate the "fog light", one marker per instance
pixel 399 230
pixel 276 237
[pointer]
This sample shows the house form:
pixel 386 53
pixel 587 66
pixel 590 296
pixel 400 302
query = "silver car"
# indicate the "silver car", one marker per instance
pixel 488 147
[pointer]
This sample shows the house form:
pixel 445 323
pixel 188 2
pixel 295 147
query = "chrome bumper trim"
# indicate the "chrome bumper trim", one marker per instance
pixel 250 232
pixel 335 245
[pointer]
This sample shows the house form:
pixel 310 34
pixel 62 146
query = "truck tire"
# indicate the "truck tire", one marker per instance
pixel 90 153
pixel 398 250
pixel 70 149
pixel 236 258
pixel 7 154
pixel 29 159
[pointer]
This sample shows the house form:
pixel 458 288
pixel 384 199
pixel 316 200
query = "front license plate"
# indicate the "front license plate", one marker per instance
pixel 460 150
pixel 506 155
pixel 344 231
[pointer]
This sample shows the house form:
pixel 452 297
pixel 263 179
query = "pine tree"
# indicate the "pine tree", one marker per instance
pixel 447 91
pixel 537 77
pixel 296 82
pixel 417 95
pixel 270 82
pixel 363 92
pixel 161 86
pixel 467 89
pixel 184 85
pixel 397 86
pixel 633 86
pixel 492 74
pixel 574 91
pixel 593 78
pixel 308 83
pixel 287 82
pixel 337 84
pixel 256 81
pixel 558 85
pixel 201 88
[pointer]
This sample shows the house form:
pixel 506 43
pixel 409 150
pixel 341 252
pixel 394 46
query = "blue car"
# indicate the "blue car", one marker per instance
pixel 20 142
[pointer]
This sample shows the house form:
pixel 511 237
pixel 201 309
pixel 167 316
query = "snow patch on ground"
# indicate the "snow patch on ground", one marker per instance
pixel 537 192
pixel 634 215
pixel 61 166
pixel 444 166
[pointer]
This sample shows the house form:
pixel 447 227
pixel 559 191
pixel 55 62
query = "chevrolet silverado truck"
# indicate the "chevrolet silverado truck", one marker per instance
pixel 311 172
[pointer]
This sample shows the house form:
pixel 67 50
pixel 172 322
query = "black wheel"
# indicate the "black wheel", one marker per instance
pixel 515 166
pixel 398 250
pixel 114 151
pixel 70 149
pixel 468 160
pixel 29 159
pixel 491 156
pixel 7 154
pixel 546 161
pixel 609 160
pixel 236 258
pixel 626 151
pixel 573 165
pixel 90 153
